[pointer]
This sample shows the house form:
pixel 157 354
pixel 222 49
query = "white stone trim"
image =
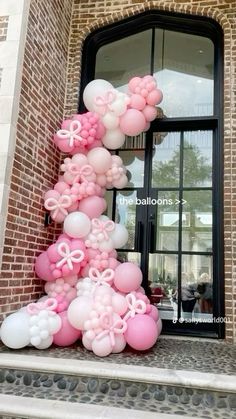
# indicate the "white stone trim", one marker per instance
pixel 183 378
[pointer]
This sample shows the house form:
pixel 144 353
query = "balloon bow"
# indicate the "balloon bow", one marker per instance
pixel 135 306
pixel 102 227
pixel 111 327
pixel 58 205
pixel 50 305
pixel 101 278
pixel 104 102
pixel 80 174
pixel 71 134
pixel 68 257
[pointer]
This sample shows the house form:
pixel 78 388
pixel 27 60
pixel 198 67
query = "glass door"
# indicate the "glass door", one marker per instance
pixel 167 208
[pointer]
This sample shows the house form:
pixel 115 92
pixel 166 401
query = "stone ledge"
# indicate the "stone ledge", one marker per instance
pixel 48 409
pixel 142 374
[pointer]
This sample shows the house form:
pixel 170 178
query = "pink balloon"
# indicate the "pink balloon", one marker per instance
pixel 142 332
pixel 150 113
pixel 154 97
pixel 42 267
pixel 133 83
pixel 132 122
pixel 67 335
pixel 93 206
pixel 154 313
pixel 137 102
pixel 128 277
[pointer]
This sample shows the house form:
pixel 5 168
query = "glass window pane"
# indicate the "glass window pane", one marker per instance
pixel 184 70
pixel 134 162
pixel 109 195
pixel 197 167
pixel 121 60
pixel 167 221
pixel 133 257
pixel 126 214
pixel 197 235
pixel 163 280
pixel 165 161
pixel 196 287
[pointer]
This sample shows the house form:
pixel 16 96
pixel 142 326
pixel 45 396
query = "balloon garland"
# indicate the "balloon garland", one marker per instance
pixel 90 294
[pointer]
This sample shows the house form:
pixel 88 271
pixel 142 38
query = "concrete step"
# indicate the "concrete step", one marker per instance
pixel 104 388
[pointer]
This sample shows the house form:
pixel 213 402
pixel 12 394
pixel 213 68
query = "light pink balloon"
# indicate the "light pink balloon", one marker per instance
pixel 154 97
pixel 119 304
pixel 67 335
pixel 120 344
pixel 128 277
pixel 133 83
pixel 100 159
pixel 150 113
pixel 132 122
pixel 137 102
pixel 142 332
pixel 93 206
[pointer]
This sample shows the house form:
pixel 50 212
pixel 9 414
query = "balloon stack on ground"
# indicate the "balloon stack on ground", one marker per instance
pixel 89 293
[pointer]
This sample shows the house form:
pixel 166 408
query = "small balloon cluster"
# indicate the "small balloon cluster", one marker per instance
pixel 89 293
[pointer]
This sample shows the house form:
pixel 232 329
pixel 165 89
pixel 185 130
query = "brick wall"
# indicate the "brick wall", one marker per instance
pixel 36 160
pixel 89 15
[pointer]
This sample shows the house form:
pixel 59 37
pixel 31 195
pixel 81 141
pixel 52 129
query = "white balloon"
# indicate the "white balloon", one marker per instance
pixel 102 347
pixel 95 88
pixel 87 342
pixel 110 121
pixel 119 236
pixel 120 183
pixel 55 324
pixel 113 139
pixel 15 330
pixel 79 310
pixel 77 225
pixel 45 343
pixel 120 344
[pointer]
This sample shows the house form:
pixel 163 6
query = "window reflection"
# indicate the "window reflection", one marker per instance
pixel 166 160
pixel 126 214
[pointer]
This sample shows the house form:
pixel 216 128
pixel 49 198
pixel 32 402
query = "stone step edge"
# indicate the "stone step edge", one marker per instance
pixel 183 378
pixel 30 407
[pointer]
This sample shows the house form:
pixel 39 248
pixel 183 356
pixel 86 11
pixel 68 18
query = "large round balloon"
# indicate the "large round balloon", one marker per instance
pixel 77 225
pixel 79 310
pixel 100 159
pixel 113 139
pixel 142 332
pixel 67 335
pixel 15 330
pixel 128 277
pixel 95 89
pixel 119 236
pixel 93 206
pixel 132 122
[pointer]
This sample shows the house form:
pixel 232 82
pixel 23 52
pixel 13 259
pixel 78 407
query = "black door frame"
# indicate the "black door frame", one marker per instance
pixel 201 26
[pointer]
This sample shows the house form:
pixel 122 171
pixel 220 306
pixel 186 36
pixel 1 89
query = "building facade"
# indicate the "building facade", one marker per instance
pixel 66 44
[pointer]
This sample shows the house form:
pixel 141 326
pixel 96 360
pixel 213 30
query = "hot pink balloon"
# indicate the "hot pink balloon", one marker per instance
pixel 93 206
pixel 142 332
pixel 67 335
pixel 128 277
pixel 132 122
pixel 42 267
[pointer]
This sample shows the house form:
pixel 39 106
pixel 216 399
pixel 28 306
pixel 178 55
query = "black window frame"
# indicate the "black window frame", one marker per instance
pixel 195 25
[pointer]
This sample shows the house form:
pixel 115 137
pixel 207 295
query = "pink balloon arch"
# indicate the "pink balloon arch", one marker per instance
pixel 90 295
